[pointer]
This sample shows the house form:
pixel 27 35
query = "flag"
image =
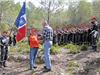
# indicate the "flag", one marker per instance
pixel 21 23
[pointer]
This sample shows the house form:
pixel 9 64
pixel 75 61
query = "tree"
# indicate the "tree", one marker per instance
pixel 79 12
pixel 84 11
pixel 51 6
pixel 8 13
pixel 72 11
pixel 96 8
pixel 34 16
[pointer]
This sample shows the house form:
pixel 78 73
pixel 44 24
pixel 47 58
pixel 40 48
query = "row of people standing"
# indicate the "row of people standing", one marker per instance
pixel 78 34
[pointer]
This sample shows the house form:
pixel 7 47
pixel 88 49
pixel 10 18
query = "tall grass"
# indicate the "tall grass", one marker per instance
pixel 72 48
pixel 23 48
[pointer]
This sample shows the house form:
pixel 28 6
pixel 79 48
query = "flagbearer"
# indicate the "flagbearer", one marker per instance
pixel 34 46
pixel 4 42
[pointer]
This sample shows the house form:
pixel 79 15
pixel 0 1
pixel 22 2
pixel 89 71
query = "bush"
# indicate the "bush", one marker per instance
pixel 84 47
pixel 73 48
pixel 21 47
pixel 72 67
pixel 55 49
pixel 73 64
pixel 4 27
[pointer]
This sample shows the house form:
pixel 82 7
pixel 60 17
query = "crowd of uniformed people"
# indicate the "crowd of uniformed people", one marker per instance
pixel 76 34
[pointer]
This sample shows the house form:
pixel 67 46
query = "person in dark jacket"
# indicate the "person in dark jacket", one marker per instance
pixel 4 42
pixel 94 32
pixel 94 23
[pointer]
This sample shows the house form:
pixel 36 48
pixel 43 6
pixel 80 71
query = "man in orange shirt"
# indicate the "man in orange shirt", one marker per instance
pixel 34 46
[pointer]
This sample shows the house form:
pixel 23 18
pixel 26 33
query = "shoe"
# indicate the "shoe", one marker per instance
pixel 94 50
pixel 45 67
pixel 34 67
pixel 4 65
pixel 47 70
pixel 30 68
pixel 1 66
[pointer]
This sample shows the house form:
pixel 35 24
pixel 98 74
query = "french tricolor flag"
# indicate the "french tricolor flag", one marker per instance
pixel 21 23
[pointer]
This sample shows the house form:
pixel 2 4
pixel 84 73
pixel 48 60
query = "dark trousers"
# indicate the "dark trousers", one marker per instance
pixel 4 55
pixel 14 42
pixel 94 44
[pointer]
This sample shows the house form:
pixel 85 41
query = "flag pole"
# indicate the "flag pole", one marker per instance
pixel 26 24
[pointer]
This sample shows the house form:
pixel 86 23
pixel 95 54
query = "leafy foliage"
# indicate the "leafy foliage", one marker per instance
pixel 55 49
pixel 96 8
pixel 21 48
pixel 79 12
pixel 4 27
pixel 8 13
pixel 72 48
pixel 76 12
pixel 72 67
pixel 84 47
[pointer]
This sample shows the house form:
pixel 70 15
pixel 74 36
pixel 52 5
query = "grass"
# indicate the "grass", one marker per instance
pixel 74 49
pixel 84 47
pixel 72 66
pixel 55 49
pixel 23 48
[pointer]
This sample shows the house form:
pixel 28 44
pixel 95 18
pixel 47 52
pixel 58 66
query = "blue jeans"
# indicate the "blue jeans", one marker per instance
pixel 32 56
pixel 47 60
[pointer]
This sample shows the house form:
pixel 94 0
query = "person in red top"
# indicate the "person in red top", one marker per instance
pixel 34 46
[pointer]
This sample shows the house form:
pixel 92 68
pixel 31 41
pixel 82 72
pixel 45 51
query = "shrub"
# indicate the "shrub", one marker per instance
pixel 72 67
pixel 4 27
pixel 55 49
pixel 84 47
pixel 73 64
pixel 21 47
pixel 25 51
pixel 73 48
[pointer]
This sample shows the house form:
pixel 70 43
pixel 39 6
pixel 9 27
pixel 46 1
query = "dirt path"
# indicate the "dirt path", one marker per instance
pixel 59 64
pixel 15 68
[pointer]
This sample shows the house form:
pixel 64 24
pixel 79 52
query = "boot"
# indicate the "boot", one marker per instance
pixel 4 64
